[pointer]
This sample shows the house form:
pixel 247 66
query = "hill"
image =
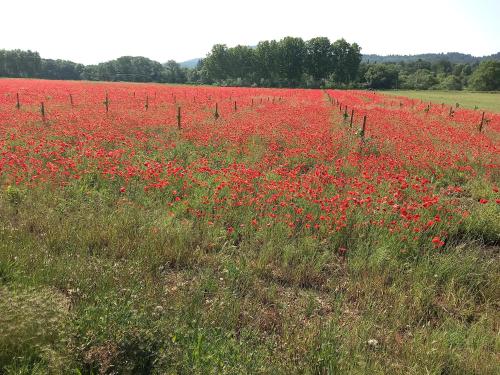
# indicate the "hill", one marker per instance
pixel 453 57
pixel 190 63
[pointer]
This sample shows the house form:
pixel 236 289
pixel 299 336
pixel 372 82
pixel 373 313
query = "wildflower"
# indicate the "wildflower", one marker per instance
pixel 437 242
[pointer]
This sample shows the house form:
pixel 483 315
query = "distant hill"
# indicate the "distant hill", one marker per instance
pixel 453 57
pixel 190 63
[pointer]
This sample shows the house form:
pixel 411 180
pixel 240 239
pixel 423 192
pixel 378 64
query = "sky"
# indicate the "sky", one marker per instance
pixel 92 31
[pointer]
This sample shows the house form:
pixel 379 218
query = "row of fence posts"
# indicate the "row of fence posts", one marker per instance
pixel 235 107
pixel 426 110
pixel 334 101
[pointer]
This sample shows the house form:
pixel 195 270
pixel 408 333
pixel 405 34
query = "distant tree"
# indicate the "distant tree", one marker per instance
pixel 381 76
pixel 60 69
pixel 422 79
pixel 173 73
pixel 353 59
pixel 413 66
pixel 217 62
pixel 451 82
pixel 291 59
pixel 267 61
pixel 242 62
pixel 346 60
pixel 18 63
pixel 442 66
pixel 319 61
pixel 486 77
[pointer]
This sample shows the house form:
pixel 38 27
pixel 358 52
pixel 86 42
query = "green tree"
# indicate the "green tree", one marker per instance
pixel 422 79
pixel 319 61
pixel 346 60
pixel 173 73
pixel 381 76
pixel 18 63
pixel 486 77
pixel 217 62
pixel 292 54
pixel 451 82
pixel 241 62
pixel 60 69
pixel 267 61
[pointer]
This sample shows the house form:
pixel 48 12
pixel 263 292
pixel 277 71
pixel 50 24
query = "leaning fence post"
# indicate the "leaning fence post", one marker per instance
pixel 71 99
pixel 352 116
pixel 147 102
pixel 18 104
pixel 481 124
pixel 235 107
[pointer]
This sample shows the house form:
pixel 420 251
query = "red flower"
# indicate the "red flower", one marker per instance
pixel 437 242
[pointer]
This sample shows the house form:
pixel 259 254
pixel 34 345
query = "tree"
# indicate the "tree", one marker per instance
pixel 319 61
pixel 346 60
pixel 217 62
pixel 18 63
pixel 451 82
pixel 352 61
pixel 173 73
pixel 422 79
pixel 291 55
pixel 241 62
pixel 60 69
pixel 381 76
pixel 267 61
pixel 486 77
pixel 442 66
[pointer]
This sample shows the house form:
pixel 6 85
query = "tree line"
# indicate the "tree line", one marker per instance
pixel 289 62
pixel 426 75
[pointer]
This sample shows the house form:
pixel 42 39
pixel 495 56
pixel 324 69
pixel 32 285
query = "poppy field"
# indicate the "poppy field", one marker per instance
pixel 147 228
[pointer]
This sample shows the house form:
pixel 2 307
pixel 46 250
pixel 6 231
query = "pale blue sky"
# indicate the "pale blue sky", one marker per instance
pixel 92 31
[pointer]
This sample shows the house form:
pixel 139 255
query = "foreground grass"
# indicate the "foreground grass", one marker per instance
pixel 481 100
pixel 91 282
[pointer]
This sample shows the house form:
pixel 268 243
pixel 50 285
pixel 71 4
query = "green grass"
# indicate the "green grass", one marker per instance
pixel 483 100
pixel 94 283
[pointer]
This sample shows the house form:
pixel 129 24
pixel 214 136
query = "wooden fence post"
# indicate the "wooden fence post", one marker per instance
pixel 42 111
pixel 106 102
pixel 216 114
pixel 179 118
pixel 363 129
pixel 481 124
